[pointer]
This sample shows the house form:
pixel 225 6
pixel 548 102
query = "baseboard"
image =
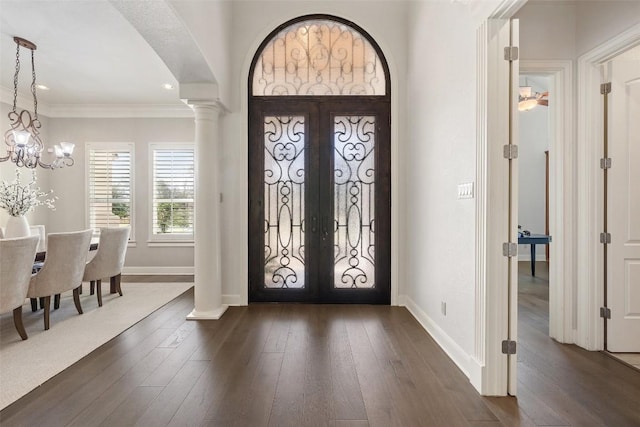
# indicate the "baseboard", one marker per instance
pixel 450 347
pixel 159 271
pixel 476 372
pixel 231 300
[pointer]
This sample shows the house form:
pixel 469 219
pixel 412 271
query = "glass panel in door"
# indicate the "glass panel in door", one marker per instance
pixel 354 202
pixel 284 202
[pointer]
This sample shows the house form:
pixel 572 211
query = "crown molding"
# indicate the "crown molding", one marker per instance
pixel 177 110
pixel 120 111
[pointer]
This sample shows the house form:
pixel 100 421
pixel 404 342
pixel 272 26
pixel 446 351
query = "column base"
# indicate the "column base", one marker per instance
pixel 207 315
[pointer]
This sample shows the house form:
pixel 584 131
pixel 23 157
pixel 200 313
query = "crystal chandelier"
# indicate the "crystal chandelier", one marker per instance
pixel 24 146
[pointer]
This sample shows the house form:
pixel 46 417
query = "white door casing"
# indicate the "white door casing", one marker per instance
pixel 623 259
pixel 494 373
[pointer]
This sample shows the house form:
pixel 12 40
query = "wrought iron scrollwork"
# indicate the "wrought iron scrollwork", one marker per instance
pixel 354 216
pixel 284 179
pixel 318 57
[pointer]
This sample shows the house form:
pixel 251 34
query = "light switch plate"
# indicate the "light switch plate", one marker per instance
pixel 465 191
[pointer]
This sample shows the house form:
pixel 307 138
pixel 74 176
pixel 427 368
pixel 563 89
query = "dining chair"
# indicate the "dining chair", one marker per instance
pixel 108 260
pixel 62 270
pixel 39 230
pixel 16 260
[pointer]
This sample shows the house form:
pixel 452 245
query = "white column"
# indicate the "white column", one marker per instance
pixel 208 285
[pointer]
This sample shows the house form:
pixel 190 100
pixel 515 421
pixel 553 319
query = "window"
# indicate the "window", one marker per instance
pixel 172 182
pixel 110 182
pixel 319 57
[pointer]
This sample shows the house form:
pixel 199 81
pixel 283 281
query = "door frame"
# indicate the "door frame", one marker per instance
pixel 241 264
pixel 561 193
pixel 590 197
pixel 319 113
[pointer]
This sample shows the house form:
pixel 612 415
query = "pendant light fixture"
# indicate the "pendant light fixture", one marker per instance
pixel 23 144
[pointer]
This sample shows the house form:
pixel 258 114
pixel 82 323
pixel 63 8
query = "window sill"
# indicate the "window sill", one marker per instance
pixel 170 243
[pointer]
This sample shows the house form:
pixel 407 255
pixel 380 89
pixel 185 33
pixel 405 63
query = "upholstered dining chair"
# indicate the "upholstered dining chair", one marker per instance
pixel 62 270
pixel 39 230
pixel 108 261
pixel 16 261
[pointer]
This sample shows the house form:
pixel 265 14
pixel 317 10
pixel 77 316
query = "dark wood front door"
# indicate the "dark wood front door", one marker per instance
pixel 320 200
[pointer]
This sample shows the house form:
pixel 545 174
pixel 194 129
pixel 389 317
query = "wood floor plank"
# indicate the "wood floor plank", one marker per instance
pixel 318 403
pixel 252 336
pixel 103 406
pixel 564 404
pixel 129 411
pixel 260 394
pixel 429 403
pixel 375 393
pixel 346 391
pixel 288 402
pixel 212 383
pixel 468 401
pixel 299 365
pixel 165 405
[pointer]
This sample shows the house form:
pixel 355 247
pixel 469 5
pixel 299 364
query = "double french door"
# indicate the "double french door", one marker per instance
pixel 319 200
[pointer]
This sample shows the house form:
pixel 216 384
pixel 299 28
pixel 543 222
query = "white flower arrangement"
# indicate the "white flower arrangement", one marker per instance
pixel 18 199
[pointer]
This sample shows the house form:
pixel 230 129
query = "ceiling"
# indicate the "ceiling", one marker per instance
pixel 87 53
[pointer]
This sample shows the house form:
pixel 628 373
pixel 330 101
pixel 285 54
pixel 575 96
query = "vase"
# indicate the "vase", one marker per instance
pixel 17 226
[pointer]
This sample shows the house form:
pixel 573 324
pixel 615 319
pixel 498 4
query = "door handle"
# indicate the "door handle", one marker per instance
pixel 314 224
pixel 325 225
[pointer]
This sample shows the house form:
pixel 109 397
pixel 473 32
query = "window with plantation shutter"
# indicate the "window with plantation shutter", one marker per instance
pixel 172 207
pixel 110 182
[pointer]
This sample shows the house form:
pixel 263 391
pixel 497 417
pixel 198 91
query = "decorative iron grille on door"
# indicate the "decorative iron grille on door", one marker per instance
pixel 319 165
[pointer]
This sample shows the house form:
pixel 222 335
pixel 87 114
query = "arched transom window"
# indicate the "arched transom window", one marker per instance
pixel 318 57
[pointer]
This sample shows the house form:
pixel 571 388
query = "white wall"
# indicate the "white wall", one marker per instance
pixel 598 21
pixel 533 142
pixel 547 30
pixel 252 22
pixel 439 154
pixel 69 183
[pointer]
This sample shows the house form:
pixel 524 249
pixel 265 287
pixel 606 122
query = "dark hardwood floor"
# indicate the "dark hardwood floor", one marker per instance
pixel 308 365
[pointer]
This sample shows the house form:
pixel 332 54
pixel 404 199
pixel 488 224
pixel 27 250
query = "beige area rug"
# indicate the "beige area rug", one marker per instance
pixel 24 365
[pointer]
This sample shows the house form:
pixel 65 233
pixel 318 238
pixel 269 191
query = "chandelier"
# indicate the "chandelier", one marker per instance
pixel 24 146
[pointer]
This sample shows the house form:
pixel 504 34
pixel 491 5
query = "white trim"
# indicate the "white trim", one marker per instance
pixel 114 146
pixel 590 189
pixel 243 274
pixel 232 300
pixel 507 9
pixel 157 271
pixel 448 344
pixel 492 305
pixel 207 315
pixel 117 111
pixel 171 243
pixel 159 240
pixel 561 195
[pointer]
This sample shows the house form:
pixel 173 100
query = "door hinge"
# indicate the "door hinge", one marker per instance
pixel 510 53
pixel 510 151
pixel 605 163
pixel 605 88
pixel 605 238
pixel 605 312
pixel 510 249
pixel 508 347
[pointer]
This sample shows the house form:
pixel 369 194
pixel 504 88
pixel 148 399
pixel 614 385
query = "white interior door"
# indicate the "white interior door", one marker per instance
pixel 623 260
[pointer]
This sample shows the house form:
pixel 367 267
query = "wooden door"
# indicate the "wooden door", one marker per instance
pixel 320 201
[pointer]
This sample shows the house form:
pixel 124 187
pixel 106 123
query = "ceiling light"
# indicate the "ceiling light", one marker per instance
pixel 24 146
pixel 167 86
